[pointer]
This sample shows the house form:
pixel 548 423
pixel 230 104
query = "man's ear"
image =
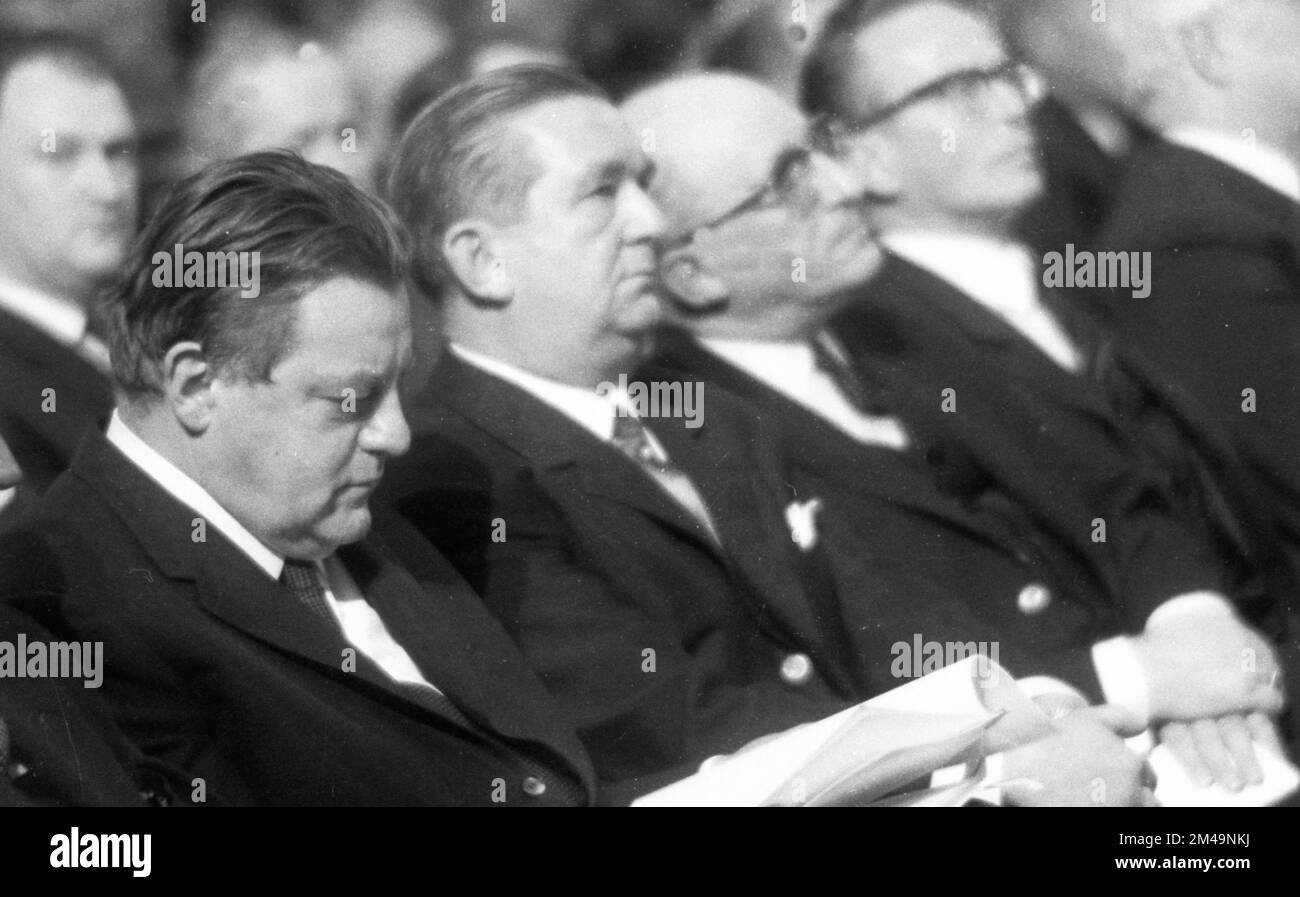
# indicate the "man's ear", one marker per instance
pixel 1208 49
pixel 472 249
pixel 187 385
pixel 690 282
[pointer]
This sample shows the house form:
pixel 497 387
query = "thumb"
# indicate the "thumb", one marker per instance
pixel 1124 723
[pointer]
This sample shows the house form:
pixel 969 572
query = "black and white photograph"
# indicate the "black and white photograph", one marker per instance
pixel 650 403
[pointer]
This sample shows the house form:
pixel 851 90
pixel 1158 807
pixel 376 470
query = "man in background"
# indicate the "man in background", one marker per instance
pixel 1215 202
pixel 68 180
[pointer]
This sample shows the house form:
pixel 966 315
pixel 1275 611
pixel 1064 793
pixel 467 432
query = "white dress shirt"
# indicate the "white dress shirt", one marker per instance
pixel 63 320
pixel 1264 163
pixel 1000 275
pixel 791 369
pixel 361 625
pixel 586 407
pixel 595 411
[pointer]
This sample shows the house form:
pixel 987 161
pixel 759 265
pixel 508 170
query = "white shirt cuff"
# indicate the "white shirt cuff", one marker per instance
pixel 1122 676
pixel 1190 603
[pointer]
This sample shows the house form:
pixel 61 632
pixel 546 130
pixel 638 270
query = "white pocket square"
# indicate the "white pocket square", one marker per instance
pixel 801 517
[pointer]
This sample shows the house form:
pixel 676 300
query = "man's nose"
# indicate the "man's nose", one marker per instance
pixel 1009 101
pixel 644 220
pixel 103 178
pixel 835 183
pixel 387 431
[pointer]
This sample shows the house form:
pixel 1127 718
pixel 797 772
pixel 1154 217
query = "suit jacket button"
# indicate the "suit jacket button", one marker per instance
pixel 1034 598
pixel 796 669
pixel 534 787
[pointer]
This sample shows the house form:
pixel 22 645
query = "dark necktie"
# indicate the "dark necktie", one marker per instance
pixel 832 361
pixel 301 578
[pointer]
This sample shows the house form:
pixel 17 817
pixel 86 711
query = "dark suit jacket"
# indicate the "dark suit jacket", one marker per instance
pixel 908 558
pixel 1224 312
pixel 1081 179
pixel 661 648
pixel 43 442
pixel 214 669
pixel 63 748
pixel 1113 445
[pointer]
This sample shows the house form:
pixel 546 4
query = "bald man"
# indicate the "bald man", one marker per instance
pixel 750 201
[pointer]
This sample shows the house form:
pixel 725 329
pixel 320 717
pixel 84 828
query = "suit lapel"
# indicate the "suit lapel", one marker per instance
pixel 814 444
pixel 569 454
pixel 459 649
pixel 1010 351
pixel 228 584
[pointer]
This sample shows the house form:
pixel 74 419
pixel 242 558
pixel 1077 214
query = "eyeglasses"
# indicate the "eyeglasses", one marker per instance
pixel 969 88
pixel 788 184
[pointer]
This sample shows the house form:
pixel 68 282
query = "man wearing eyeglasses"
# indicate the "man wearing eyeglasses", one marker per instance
pixel 1014 392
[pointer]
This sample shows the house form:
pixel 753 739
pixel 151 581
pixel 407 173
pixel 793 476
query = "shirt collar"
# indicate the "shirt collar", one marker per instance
pixel 1000 274
pixel 786 366
pixel 63 319
pixel 181 487
pixel 1264 163
pixel 593 410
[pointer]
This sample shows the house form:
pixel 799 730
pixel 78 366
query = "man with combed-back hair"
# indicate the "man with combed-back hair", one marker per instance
pixel 670 621
pixel 256 642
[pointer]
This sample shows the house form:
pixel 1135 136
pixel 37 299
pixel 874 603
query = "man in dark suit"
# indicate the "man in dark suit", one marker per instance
pixel 1216 204
pixel 909 556
pixel 1009 389
pixel 672 617
pixel 1081 125
pixel 751 335
pixel 68 183
pixel 214 539
pixel 669 628
pixel 59 745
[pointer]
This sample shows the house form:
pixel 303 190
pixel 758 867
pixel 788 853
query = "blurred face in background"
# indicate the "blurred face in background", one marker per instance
pixel 68 177
pixel 303 101
pixel 942 117
pixel 1264 39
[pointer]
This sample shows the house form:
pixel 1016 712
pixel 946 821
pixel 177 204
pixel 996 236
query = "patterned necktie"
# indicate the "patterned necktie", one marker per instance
pixel 302 579
pixel 632 439
pixel 832 362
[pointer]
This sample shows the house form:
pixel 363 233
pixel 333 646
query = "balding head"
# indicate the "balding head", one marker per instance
pixel 761 226
pixel 1229 65
pixel 704 128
